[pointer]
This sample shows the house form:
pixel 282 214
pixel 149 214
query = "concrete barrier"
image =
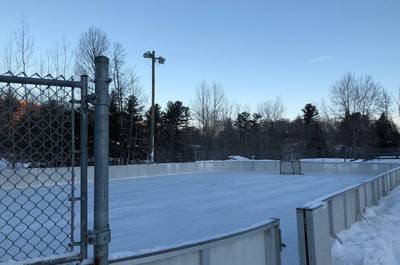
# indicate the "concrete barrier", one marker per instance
pixel 320 221
pixel 260 245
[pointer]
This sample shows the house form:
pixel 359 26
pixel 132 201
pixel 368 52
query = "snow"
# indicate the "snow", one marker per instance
pixel 375 240
pixel 4 164
pixel 238 158
pixel 157 213
pixel 47 259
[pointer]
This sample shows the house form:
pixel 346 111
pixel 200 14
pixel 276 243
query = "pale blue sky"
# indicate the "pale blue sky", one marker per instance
pixel 257 50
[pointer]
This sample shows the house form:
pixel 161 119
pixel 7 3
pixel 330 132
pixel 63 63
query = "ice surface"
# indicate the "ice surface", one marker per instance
pixel 376 239
pixel 159 212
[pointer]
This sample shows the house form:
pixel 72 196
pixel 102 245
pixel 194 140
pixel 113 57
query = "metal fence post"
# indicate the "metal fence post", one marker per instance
pixel 84 164
pixel 102 101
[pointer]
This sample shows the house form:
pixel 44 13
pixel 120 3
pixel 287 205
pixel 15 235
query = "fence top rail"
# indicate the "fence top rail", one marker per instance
pixel 349 162
pixel 39 81
pixel 314 204
pixel 196 246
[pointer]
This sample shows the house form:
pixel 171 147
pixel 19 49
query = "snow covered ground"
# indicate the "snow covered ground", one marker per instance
pixel 4 164
pixel 160 212
pixel 375 240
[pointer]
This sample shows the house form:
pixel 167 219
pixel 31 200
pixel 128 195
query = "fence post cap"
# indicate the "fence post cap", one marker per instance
pixel 101 59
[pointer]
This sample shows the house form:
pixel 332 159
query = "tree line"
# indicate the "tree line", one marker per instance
pixel 358 122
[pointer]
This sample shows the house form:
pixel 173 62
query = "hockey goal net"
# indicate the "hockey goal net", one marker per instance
pixel 290 167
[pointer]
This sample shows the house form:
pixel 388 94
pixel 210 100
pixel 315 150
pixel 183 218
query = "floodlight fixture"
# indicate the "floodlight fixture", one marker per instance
pixel 147 54
pixel 161 60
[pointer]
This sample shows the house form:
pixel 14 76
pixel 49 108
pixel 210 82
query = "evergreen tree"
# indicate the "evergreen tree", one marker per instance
pixel 244 123
pixel 174 120
pixel 136 142
pixel 310 113
pixel 313 137
pixel 157 130
pixel 356 134
pixel 386 132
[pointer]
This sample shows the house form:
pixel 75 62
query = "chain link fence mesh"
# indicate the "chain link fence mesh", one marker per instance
pixel 36 170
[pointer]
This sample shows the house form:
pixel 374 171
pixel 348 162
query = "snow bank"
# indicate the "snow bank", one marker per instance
pixel 375 240
pixel 238 158
pixel 4 164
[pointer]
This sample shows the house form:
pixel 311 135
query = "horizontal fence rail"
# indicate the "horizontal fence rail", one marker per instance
pixel 40 81
pixel 260 245
pixel 320 221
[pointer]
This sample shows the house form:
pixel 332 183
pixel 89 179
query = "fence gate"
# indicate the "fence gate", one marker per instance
pixel 43 198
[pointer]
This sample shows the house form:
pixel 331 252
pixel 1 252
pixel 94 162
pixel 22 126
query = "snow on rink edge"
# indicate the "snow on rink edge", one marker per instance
pixel 375 240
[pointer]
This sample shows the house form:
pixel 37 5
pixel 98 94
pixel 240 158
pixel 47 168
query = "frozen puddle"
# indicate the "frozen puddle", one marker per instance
pixel 376 239
pixel 158 212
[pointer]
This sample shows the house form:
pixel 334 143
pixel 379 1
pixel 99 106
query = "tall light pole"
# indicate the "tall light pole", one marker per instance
pixel 161 60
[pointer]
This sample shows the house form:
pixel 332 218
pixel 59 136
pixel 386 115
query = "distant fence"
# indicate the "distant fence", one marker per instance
pixel 259 245
pixel 319 222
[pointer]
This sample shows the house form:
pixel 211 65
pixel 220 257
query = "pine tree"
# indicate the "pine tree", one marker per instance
pixel 174 120
pixel 310 113
pixel 386 132
pixel 313 137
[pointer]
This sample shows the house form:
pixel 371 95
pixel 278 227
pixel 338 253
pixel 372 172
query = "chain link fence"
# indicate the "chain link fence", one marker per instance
pixel 37 156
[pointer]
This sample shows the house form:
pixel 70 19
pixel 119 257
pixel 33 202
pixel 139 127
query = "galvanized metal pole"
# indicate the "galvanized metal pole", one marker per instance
pixel 84 164
pixel 101 140
pixel 153 111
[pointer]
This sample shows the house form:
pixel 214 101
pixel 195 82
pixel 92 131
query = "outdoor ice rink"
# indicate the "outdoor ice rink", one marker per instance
pixel 154 213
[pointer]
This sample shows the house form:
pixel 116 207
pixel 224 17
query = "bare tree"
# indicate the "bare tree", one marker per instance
pixel 350 94
pixel 368 96
pixel 135 91
pixel 344 93
pixel 209 108
pixel 92 43
pixel 325 111
pixel 66 54
pixel 8 56
pixel 272 110
pixel 133 86
pixel 385 104
pixel 117 69
pixel 397 101
pixel 201 107
pixel 118 72
pixel 23 46
pixel 218 106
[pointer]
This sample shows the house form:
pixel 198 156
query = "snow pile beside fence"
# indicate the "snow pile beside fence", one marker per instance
pixel 240 158
pixel 375 240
